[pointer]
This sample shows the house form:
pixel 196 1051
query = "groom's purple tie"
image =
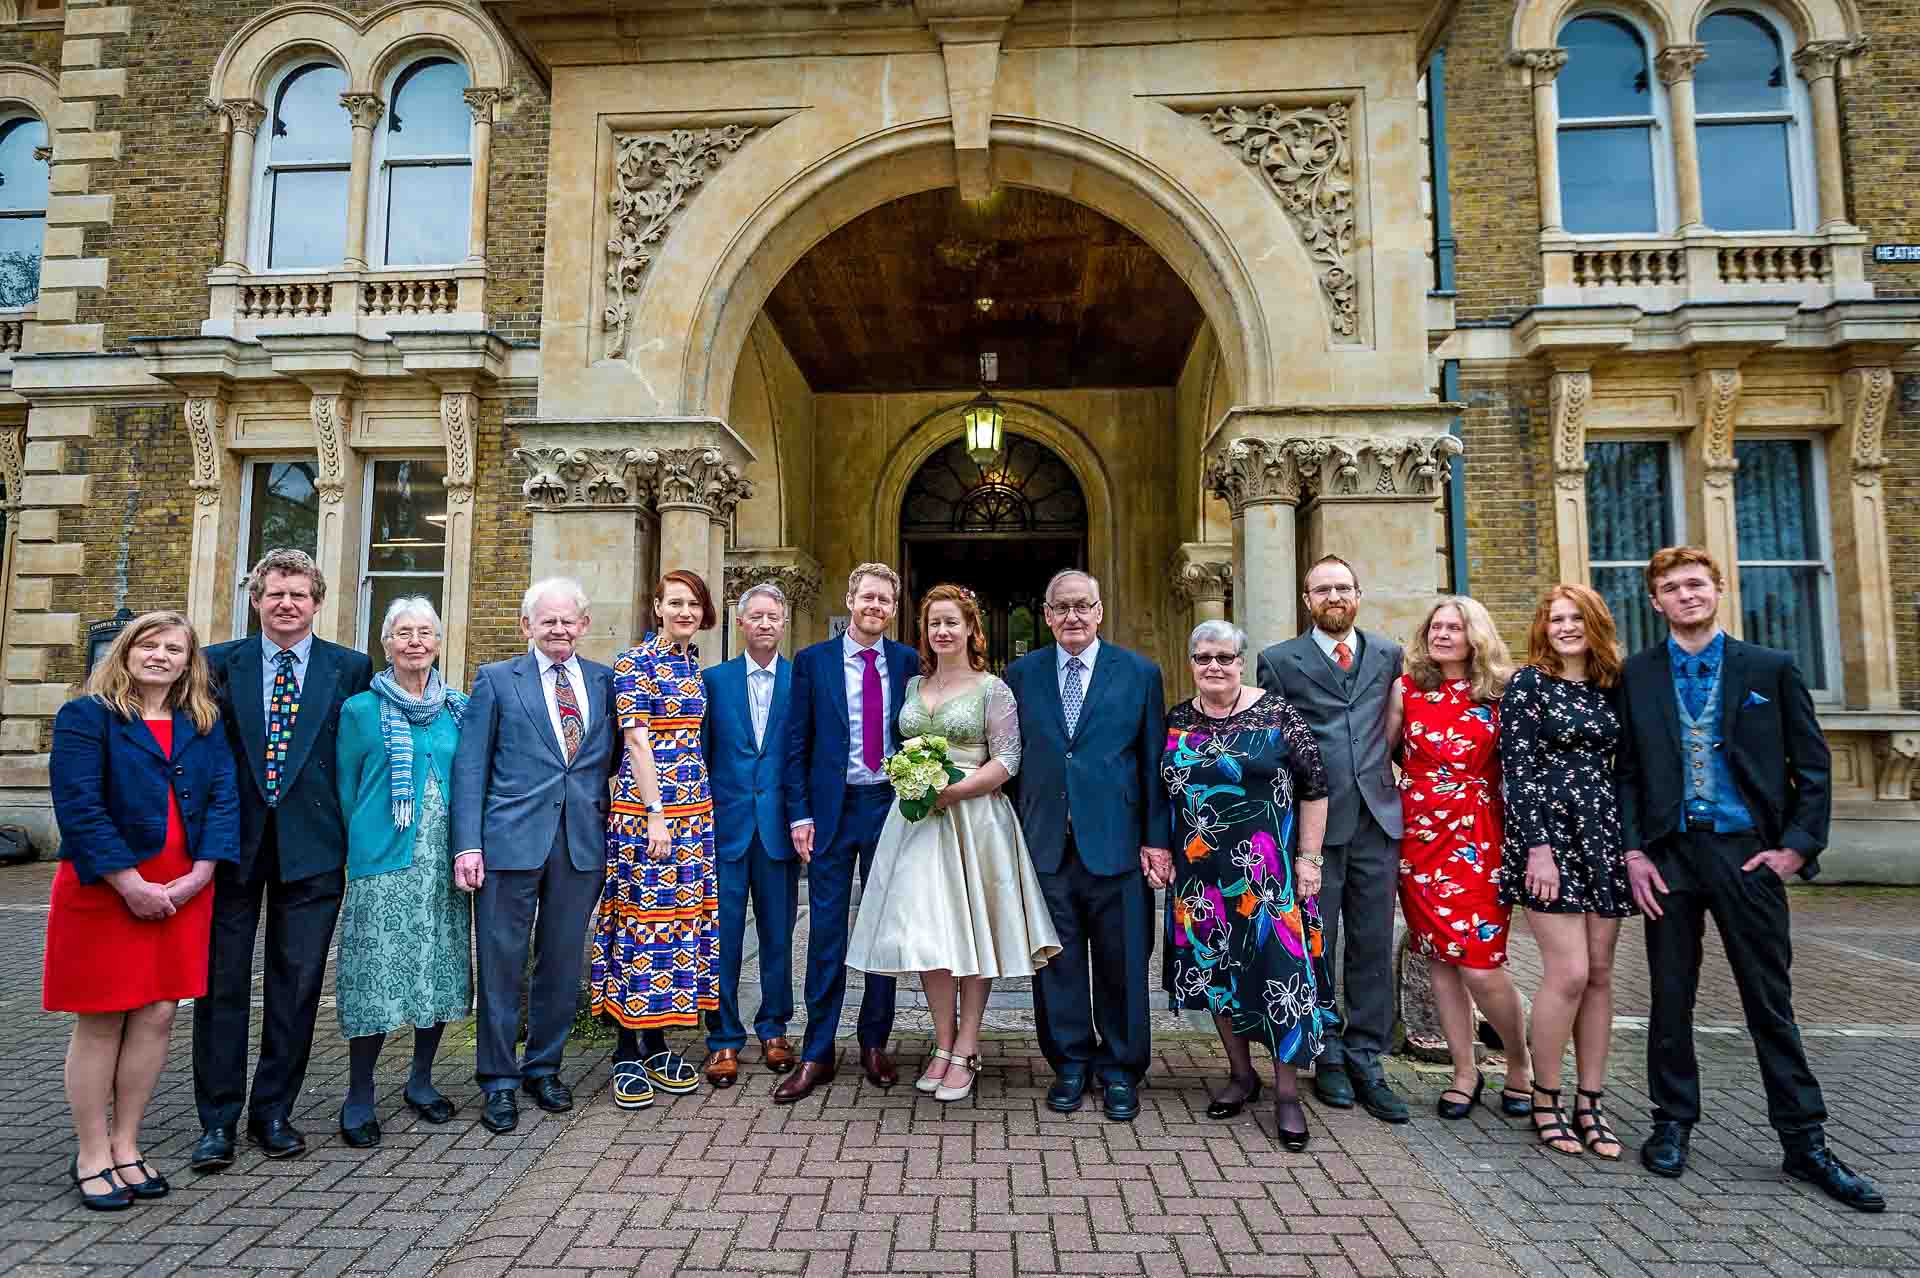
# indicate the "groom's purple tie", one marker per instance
pixel 872 746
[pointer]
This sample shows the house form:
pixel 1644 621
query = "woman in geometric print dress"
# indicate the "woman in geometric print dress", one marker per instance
pixel 1564 859
pixel 1446 719
pixel 655 935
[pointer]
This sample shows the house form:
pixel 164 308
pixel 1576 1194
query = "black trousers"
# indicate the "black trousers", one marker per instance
pixel 1090 1000
pixel 300 918
pixel 1702 872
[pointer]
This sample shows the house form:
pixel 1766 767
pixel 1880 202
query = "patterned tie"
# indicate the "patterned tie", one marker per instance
pixel 283 705
pixel 572 726
pixel 872 744
pixel 1343 655
pixel 1075 692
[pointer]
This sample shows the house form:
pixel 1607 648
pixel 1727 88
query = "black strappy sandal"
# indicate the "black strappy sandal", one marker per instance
pixel 1595 1133
pixel 117 1197
pixel 1557 1131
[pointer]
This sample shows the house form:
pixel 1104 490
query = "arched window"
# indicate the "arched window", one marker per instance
pixel 1744 101
pixel 23 209
pixel 426 166
pixel 1611 179
pixel 306 155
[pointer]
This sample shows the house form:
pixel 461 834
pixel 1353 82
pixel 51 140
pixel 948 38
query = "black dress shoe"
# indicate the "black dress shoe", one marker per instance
pixel 1333 1086
pixel 277 1138
pixel 500 1114
pixel 1221 1110
pixel 438 1110
pixel 1665 1153
pixel 1292 1139
pixel 1455 1110
pixel 1836 1180
pixel 361 1135
pixel 1068 1091
pixel 1121 1101
pixel 214 1152
pixel 1378 1098
pixel 549 1093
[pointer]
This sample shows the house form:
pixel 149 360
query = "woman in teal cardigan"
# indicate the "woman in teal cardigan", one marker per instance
pixel 405 933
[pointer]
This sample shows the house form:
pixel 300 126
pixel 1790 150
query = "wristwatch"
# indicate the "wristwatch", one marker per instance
pixel 656 808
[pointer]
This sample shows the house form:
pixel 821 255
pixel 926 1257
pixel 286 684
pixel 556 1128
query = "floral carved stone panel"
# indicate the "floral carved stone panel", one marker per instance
pixel 1304 156
pixel 654 177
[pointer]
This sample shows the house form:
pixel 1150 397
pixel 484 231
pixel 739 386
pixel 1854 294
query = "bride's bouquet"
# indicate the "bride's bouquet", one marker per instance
pixel 919 773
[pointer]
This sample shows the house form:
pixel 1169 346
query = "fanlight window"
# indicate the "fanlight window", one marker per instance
pixel 1026 489
pixel 1607 124
pixel 23 209
pixel 426 165
pixel 307 158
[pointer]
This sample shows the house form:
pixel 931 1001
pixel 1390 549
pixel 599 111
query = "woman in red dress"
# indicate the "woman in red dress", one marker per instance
pixel 1446 719
pixel 144 791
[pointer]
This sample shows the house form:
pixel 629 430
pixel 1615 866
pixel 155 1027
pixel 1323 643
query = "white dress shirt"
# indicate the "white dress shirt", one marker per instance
pixel 760 695
pixel 1087 657
pixel 302 653
pixel 1326 642
pixel 856 672
pixel 549 689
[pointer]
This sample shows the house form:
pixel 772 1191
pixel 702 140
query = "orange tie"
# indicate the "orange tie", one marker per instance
pixel 1343 655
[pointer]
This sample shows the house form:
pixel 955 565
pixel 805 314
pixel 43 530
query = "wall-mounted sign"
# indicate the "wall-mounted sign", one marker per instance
pixel 837 626
pixel 1896 253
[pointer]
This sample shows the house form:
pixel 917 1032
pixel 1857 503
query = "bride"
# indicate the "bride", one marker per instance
pixel 953 897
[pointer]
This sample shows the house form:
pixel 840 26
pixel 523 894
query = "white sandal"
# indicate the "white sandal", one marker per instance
pixel 947 1095
pixel 926 1082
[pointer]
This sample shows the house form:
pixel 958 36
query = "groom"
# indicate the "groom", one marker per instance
pixel 1092 727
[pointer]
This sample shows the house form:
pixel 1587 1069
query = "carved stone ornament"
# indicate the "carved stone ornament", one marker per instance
pixel 1567 395
pixel 654 176
pixel 207 429
pixel 1895 756
pixel 481 103
pixel 44 154
pixel 365 108
pixel 331 412
pixel 1200 580
pixel 457 411
pixel 13 464
pixel 1545 64
pixel 699 477
pixel 1378 466
pixel 800 584
pixel 560 476
pixel 1822 57
pixel 1303 155
pixel 1867 392
pixel 1255 471
pixel 1719 400
pixel 243 115
pixel 1677 61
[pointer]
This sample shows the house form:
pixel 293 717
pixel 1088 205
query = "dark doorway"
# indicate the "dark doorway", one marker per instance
pixel 1002 530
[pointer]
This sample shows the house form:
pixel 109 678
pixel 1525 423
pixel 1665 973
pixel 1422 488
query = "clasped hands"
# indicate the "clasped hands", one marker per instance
pixel 152 901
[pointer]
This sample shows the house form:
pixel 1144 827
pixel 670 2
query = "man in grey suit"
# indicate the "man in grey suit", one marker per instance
pixel 1339 678
pixel 529 813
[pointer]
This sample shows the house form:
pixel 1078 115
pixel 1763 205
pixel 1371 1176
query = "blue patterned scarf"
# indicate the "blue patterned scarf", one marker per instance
pixel 400 713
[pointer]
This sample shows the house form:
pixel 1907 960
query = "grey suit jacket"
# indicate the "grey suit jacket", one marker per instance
pixel 1351 728
pixel 513 789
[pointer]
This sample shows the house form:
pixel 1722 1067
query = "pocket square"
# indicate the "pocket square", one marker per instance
pixel 1755 699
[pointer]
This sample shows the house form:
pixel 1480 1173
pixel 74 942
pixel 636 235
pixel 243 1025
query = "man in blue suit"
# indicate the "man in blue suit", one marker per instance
pixel 1092 728
pixel 745 744
pixel 847 694
pixel 528 825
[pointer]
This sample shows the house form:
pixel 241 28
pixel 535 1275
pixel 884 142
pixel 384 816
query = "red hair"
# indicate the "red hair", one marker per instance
pixel 693 582
pixel 1672 557
pixel 1603 643
pixel 961 598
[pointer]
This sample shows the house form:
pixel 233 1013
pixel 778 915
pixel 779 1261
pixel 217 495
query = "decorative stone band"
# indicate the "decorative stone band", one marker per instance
pixel 1255 470
pixel 457 411
pixel 1867 392
pixel 1567 394
pixel 13 464
pixel 700 478
pixel 207 428
pixel 799 582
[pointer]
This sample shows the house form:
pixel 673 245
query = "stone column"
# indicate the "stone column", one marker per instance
pixel 1259 477
pixel 714 643
pixel 692 488
pixel 1676 63
pixel 796 572
pixel 1860 553
pixel 481 102
pixel 1710 470
pixel 340 482
pixel 459 407
pixel 366 110
pixel 1819 65
pixel 243 117
pixel 211 572
pixel 1542 66
pixel 1200 580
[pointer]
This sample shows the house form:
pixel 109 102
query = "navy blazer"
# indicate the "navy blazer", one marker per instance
pixel 749 781
pixel 110 782
pixel 310 832
pixel 819 736
pixel 1107 774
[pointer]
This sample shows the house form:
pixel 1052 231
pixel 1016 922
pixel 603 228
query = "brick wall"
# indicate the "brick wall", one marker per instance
pixel 1496 202
pixel 1880 128
pixel 35 48
pixel 502 549
pixel 1510 546
pixel 1902 480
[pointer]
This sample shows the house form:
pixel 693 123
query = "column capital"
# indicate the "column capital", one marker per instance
pixel 1257 470
pixel 560 478
pixel 365 108
pixel 240 115
pixel 674 463
pixel 1541 64
pixel 1677 61
pixel 331 410
pixel 698 478
pixel 797 573
pixel 1379 467
pixel 481 103
pixel 206 414
pixel 1819 59
pixel 1201 572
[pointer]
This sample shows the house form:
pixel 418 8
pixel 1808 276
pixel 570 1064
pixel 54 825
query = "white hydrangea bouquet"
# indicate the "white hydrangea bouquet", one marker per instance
pixel 919 773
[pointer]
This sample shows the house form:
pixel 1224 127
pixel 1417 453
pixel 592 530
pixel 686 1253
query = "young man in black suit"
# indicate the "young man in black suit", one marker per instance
pixel 1724 795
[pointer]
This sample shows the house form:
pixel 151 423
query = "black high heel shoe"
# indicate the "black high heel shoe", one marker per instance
pixel 1457 1110
pixel 1293 1142
pixel 117 1198
pixel 1220 1110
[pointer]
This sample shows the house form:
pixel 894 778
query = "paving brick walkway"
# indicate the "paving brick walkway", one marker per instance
pixel 856 1182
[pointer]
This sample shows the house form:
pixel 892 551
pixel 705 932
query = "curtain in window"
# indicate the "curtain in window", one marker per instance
pixel 1782 556
pixel 1629 516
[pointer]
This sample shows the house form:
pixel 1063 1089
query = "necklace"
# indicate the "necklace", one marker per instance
pixel 1231 710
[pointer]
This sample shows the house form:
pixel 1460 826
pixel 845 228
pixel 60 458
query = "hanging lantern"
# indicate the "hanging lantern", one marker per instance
pixel 982 418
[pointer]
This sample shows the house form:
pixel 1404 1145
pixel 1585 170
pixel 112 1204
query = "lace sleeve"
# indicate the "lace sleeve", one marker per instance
pixel 1003 726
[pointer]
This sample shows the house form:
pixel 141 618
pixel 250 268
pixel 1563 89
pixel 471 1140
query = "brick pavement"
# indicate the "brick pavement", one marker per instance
pixel 854 1182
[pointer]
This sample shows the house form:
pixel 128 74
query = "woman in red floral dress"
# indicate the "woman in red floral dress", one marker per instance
pixel 1446 720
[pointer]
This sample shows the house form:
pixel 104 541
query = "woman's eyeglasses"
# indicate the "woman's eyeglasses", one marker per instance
pixel 1214 658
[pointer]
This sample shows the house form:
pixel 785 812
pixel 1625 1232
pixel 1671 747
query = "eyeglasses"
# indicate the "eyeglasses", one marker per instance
pixel 1333 592
pixel 1077 609
pixel 1214 658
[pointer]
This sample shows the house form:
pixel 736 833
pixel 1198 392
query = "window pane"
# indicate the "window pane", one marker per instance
pixel 283 513
pixel 309 218
pixel 1606 71
pixel 23 179
pixel 407 527
pixel 1743 70
pixel 309 124
pixel 1744 181
pixel 21 240
pixel 381 592
pixel 1606 180
pixel 427 115
pixel 1625 590
pixel 427 213
pixel 1629 500
pixel 1781 609
pixel 1774 500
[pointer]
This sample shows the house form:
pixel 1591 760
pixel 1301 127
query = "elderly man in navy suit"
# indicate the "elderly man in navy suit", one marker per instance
pixel 528 815
pixel 847 694
pixel 745 744
pixel 1093 727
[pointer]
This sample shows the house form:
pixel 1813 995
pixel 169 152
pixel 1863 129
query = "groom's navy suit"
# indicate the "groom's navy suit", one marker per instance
pixel 1089 800
pixel 847 820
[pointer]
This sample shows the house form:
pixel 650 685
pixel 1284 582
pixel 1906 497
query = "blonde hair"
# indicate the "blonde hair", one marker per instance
pixel 111 683
pixel 288 563
pixel 881 571
pixel 1489 664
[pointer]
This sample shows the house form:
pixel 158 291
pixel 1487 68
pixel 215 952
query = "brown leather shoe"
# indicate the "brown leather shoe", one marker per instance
pixel 777 1053
pixel 879 1068
pixel 722 1067
pixel 799 1085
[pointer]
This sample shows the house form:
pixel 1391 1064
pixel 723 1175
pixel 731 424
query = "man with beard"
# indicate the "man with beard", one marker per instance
pixel 1339 678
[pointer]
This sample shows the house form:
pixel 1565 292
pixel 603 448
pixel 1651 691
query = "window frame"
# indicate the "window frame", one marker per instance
pixel 244 561
pixel 1677 504
pixel 364 588
pixel 1798 116
pixel 1834 672
pixel 12 111
pixel 1659 125
pixel 379 195
pixel 260 234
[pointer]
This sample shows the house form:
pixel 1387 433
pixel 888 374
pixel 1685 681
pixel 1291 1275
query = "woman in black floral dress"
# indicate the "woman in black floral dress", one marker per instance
pixel 1562 853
